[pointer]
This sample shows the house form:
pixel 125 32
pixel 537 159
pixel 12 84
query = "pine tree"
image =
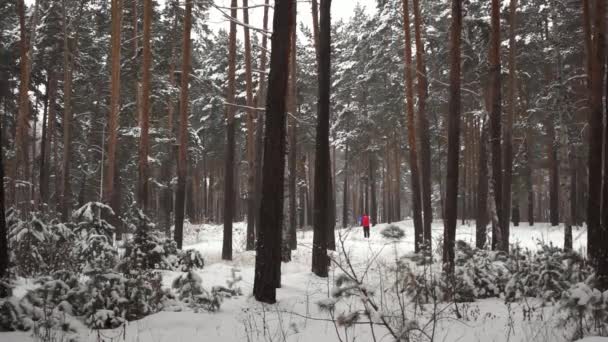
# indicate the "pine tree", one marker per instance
pixel 449 233
pixel 144 143
pixel 4 249
pixel 423 126
pixel 411 131
pixel 508 131
pixel 292 107
pixel 259 129
pixel 68 64
pixel 596 233
pixel 251 115
pixel 180 195
pixel 112 128
pixel 321 215
pixel 268 257
pixel 482 188
pixel 499 241
pixel 230 143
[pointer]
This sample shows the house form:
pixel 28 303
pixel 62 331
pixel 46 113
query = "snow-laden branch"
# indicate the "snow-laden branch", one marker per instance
pixel 238 22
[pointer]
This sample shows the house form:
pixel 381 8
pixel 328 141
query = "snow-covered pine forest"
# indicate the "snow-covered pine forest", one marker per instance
pixel 168 176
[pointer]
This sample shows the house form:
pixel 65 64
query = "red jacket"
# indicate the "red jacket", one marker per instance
pixel 365 221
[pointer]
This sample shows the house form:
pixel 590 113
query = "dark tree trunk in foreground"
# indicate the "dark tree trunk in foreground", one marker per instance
pixel 4 256
pixel 482 188
pixel 229 204
pixel 321 215
pixel 180 194
pixel 596 236
pixel 423 128
pixel 553 174
pixel 451 209
pixel 411 130
pixel 250 134
pixel 508 131
pixel 345 190
pixel 259 128
pixel 68 62
pixel 529 187
pixel 268 256
pixel 144 143
pixel 498 238
pixel 23 110
pixel 112 127
pixel 292 104
pixel 331 228
pixel 45 146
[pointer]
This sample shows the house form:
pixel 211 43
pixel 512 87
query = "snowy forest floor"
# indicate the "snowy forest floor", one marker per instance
pixel 297 317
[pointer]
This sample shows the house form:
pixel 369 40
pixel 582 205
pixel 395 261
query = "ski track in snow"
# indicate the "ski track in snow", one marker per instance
pixel 243 319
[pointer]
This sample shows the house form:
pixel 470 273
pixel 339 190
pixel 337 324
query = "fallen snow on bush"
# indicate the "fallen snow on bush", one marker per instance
pixel 302 310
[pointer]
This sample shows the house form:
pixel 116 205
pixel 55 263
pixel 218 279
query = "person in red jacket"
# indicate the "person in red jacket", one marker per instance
pixel 365 224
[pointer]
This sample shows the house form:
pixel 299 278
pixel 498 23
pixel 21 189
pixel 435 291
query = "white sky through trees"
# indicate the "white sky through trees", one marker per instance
pixel 340 10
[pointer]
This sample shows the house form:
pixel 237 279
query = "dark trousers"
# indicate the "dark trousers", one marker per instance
pixel 366 231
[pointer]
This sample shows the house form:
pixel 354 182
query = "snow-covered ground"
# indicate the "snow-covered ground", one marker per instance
pixel 296 317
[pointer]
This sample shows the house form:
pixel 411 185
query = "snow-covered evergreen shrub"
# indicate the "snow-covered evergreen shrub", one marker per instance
pixel 7 283
pixel 148 249
pixel 190 259
pixel 114 298
pixel 60 252
pixel 393 232
pixel 40 244
pixel 546 273
pixel 96 254
pixel 189 288
pixel 418 286
pixel 94 239
pixel 230 290
pixel 47 309
pixel 106 306
pixel 89 220
pixel 10 315
pixel 27 239
pixel 585 303
pixel 478 273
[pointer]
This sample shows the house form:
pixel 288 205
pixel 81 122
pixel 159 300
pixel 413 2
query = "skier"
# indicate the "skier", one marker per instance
pixel 365 224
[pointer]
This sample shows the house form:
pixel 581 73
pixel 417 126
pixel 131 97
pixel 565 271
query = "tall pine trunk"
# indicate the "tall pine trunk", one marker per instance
pixel 529 179
pixel 268 257
pixel 451 201
pixel 180 195
pixel 259 129
pixel 345 190
pixel 321 215
pixel 482 188
pixel 66 193
pixel 595 233
pixel 292 107
pixel 112 129
pixel 229 204
pixel 508 131
pixel 411 130
pixel 23 113
pixel 45 145
pixel 144 143
pixel 4 252
pixel 423 127
pixel 372 183
pixel 553 173
pixel 495 124
pixel 250 244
